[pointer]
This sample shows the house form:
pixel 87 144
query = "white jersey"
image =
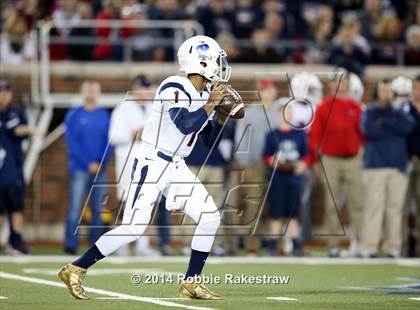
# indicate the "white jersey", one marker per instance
pixel 160 131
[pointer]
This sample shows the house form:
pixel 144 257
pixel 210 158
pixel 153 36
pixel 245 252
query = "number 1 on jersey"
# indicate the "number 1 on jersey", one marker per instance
pixel 176 96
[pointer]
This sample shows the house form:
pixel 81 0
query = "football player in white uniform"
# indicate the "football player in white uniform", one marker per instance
pixel 183 111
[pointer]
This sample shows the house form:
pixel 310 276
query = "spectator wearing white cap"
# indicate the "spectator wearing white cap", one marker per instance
pixel 260 118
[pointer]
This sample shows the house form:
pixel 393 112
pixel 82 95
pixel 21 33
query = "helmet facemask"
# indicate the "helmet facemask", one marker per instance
pixel 223 70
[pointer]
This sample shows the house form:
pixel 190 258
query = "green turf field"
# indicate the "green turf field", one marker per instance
pixel 31 283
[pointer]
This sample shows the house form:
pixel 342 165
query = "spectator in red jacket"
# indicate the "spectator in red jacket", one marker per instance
pixel 336 136
pixel 103 51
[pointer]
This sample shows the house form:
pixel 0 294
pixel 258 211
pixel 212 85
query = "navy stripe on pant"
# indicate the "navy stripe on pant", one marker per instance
pixel 143 174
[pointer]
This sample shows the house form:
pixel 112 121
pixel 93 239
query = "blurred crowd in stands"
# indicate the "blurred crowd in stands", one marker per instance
pixel 348 33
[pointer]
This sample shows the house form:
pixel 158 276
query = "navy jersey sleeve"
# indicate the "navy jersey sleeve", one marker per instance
pixel 211 135
pixel 188 122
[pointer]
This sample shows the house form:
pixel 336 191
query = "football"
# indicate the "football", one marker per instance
pixel 232 104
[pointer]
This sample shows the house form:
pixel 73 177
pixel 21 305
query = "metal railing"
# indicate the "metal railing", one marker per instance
pixel 41 94
pixel 308 45
pixel 181 30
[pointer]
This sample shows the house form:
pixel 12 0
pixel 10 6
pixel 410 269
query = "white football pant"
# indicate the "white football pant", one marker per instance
pixel 152 176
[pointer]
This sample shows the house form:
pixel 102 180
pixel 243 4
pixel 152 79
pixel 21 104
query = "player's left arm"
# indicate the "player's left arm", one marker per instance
pixel 211 134
pixel 188 122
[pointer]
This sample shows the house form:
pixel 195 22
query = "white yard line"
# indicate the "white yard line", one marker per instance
pixel 414 298
pixel 110 298
pixel 12 276
pixel 174 298
pixel 103 271
pixel 3 297
pixel 408 262
pixel 280 298
pixel 164 298
pixel 379 287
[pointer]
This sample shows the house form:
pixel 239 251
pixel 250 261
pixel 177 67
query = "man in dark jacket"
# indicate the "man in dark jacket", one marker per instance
pixel 413 147
pixel 13 130
pixel 385 160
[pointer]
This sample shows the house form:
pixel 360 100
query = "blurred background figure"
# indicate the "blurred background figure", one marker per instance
pixel 307 91
pixel 86 137
pixel 66 10
pixel 412 52
pixel 13 131
pixel 402 88
pixel 340 158
pixel 16 45
pixel 369 16
pixel 227 42
pixel 82 52
pixel 284 150
pixel 144 39
pixel 356 88
pixel 246 15
pixel 320 36
pixel 350 50
pixel 260 118
pixel 261 50
pixel 413 192
pixel 127 122
pixel 216 16
pixel 388 31
pixel 105 50
pixel 384 179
